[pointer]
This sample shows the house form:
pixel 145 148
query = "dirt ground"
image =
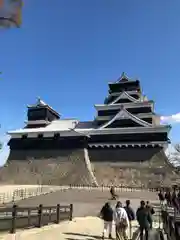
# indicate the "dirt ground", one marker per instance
pixel 85 202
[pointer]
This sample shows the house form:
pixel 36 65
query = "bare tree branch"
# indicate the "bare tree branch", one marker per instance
pixel 174 156
pixel 177 148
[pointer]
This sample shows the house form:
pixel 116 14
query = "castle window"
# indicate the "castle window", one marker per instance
pixel 24 136
pixel 40 135
pixel 56 135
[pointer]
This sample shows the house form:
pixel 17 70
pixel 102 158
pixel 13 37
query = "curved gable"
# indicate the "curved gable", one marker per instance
pixel 122 96
pixel 124 114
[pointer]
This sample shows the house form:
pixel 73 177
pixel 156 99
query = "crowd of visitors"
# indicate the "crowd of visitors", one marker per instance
pixel 123 216
pixel 172 197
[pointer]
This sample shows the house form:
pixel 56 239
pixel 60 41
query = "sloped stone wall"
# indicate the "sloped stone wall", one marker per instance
pixel 63 167
pixel 148 167
pixel 134 168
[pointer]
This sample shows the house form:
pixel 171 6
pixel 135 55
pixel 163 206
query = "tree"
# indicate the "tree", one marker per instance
pixel 174 156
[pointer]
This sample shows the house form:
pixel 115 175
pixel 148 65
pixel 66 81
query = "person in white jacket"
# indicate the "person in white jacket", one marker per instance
pixel 121 221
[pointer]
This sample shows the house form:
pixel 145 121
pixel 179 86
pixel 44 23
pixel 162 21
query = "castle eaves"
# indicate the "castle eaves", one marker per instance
pixel 70 130
pixel 126 105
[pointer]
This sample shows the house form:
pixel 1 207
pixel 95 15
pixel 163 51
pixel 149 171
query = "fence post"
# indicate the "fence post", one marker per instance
pixel 71 212
pixel 40 215
pixel 14 215
pixel 58 213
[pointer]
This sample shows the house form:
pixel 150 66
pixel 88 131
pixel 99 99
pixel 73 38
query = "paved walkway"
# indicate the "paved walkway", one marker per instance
pixel 86 203
pixel 87 228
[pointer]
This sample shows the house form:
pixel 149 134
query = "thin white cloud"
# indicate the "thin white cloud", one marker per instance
pixel 175 118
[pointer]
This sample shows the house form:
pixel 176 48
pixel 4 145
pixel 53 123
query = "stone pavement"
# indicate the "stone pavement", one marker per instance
pixel 87 228
pixel 86 203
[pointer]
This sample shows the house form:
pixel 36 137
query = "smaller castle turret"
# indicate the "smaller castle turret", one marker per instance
pixel 40 114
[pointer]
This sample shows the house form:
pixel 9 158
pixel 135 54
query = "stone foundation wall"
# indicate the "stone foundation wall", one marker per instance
pixel 143 167
pixel 130 167
pixel 62 167
pixel 60 155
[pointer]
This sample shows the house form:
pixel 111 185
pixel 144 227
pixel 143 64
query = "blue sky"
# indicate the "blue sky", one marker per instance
pixel 68 50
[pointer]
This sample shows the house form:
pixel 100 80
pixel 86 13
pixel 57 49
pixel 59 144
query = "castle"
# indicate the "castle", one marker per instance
pixel 125 133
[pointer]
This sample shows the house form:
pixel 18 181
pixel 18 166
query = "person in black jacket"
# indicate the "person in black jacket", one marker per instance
pixel 178 196
pixel 168 198
pixel 144 220
pixel 151 212
pixel 113 194
pixel 161 196
pixel 107 215
pixel 175 203
pixel 131 215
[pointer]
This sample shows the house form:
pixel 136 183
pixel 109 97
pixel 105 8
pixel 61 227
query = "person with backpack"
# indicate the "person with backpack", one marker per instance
pixel 107 215
pixel 121 221
pixel 131 215
pixel 144 220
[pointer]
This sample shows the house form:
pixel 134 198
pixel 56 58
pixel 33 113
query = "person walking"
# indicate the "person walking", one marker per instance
pixel 161 196
pixel 113 194
pixel 131 216
pixel 178 196
pixel 151 213
pixel 121 221
pixel 107 215
pixel 168 198
pixel 175 203
pixel 144 220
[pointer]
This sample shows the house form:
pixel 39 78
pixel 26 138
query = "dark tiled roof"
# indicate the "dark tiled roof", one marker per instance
pixel 86 124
